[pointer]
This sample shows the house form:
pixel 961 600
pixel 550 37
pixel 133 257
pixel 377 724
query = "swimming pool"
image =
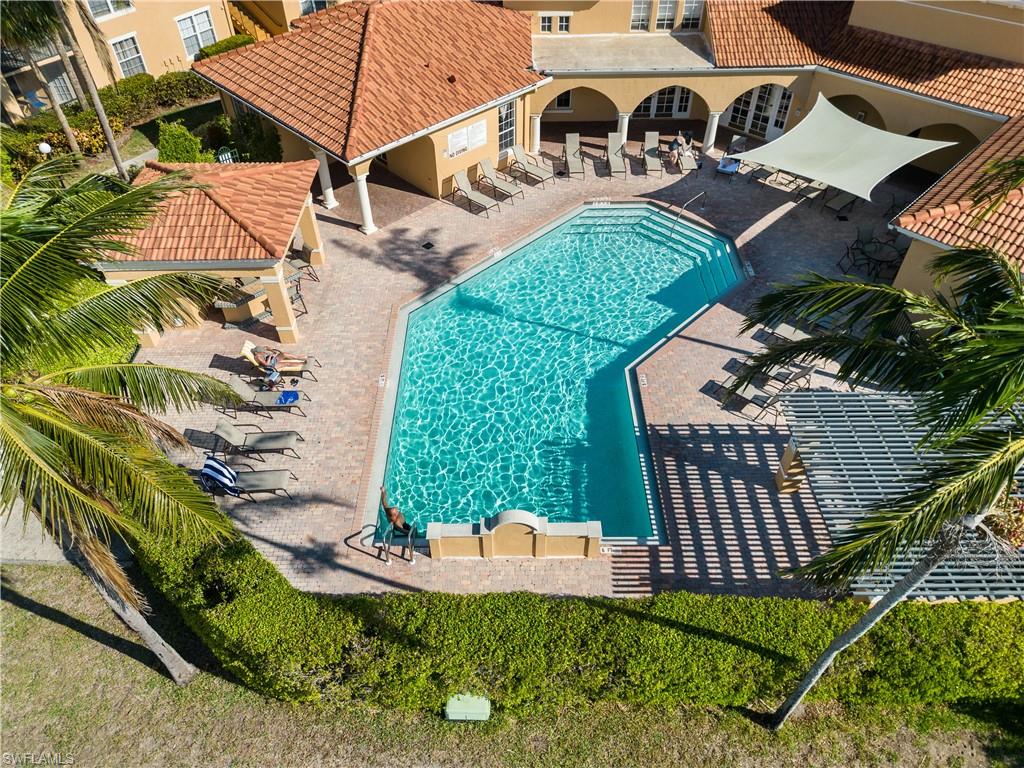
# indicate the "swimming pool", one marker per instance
pixel 515 385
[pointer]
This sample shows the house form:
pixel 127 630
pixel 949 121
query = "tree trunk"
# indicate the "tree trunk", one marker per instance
pixel 90 84
pixel 51 94
pixel 180 670
pixel 76 85
pixel 943 547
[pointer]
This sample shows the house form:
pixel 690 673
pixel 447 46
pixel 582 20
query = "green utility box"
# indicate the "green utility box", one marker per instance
pixel 462 706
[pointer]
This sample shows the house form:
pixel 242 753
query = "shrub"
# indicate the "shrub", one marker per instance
pixel 179 88
pixel 131 100
pixel 215 133
pixel 526 650
pixel 177 145
pixel 255 142
pixel 223 46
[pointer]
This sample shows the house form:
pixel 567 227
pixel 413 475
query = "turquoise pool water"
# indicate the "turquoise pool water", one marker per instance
pixel 513 389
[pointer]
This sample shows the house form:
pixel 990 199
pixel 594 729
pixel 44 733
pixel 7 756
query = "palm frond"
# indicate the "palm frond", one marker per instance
pixel 1000 177
pixel 41 184
pixel 104 565
pixel 964 480
pixel 147 385
pixel 981 277
pixel 38 469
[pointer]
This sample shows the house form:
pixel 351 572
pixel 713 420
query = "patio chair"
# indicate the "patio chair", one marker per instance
pixel 572 156
pixel 764 402
pixel 508 188
pixel 811 191
pixel 461 185
pixel 614 155
pixel 728 167
pixel 218 476
pixel 786 332
pixel 652 153
pixel 863 251
pixel 300 261
pixel 521 162
pixel 761 173
pixel 291 368
pixel 687 161
pixel 234 440
pixel 258 401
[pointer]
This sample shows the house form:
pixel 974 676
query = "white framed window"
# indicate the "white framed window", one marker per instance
pixel 307 7
pixel 666 18
pixel 673 101
pixel 562 103
pixel 545 23
pixel 563 23
pixel 693 10
pixel 61 87
pixel 506 125
pixel 640 17
pixel 196 30
pixel 100 9
pixel 782 111
pixel 128 54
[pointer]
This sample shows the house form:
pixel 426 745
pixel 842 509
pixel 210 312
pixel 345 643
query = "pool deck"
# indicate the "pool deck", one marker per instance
pixel 728 529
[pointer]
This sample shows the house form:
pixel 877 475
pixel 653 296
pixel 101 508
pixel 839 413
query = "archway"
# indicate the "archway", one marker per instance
pixel 859 109
pixel 579 104
pixel 942 160
pixel 761 112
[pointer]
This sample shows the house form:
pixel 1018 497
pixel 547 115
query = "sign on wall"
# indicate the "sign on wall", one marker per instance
pixel 465 139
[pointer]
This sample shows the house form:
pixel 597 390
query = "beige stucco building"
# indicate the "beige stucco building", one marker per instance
pixel 117 38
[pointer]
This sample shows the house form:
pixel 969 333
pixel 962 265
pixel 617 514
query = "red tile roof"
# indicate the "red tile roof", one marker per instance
pixel 778 33
pixel 946 213
pixel 248 211
pixel 361 75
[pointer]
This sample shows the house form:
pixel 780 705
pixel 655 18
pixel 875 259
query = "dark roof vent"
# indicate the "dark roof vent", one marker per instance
pixel 451 79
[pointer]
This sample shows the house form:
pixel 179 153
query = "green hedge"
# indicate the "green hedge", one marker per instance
pixel 525 650
pixel 176 89
pixel 223 46
pixel 178 145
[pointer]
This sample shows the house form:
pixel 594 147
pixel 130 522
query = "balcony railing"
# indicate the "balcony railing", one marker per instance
pixel 11 61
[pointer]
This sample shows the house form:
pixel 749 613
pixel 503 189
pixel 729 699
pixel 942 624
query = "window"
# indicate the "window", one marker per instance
pixel 644 107
pixel 58 80
pixel 196 30
pixel 563 23
pixel 673 101
pixel 240 107
pixel 782 112
pixel 126 49
pixel 101 8
pixel 311 6
pixel 640 19
pixel 562 103
pixel 666 14
pixel 663 101
pixel 506 125
pixel 545 23
pixel 692 11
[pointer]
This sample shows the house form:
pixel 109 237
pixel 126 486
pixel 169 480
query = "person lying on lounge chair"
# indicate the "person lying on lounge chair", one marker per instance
pixel 674 147
pixel 268 357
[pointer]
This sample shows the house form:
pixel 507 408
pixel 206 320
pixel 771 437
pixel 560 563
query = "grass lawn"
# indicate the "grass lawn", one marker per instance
pixel 144 137
pixel 76 682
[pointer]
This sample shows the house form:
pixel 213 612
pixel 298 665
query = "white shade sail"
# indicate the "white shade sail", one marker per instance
pixel 833 148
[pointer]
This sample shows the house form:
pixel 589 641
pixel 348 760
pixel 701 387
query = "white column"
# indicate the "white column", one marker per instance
pixel 534 134
pixel 623 126
pixel 368 227
pixel 711 132
pixel 328 200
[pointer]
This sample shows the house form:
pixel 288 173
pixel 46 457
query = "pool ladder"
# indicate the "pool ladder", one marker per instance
pixel 682 208
pixel 410 537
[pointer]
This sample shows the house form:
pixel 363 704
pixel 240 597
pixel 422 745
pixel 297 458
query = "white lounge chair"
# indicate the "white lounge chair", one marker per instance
pixel 614 155
pixel 461 185
pixel 652 153
pixel 489 175
pixel 521 162
pixel 572 156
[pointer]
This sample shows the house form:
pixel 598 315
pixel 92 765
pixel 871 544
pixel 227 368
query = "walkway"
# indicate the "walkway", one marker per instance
pixel 728 529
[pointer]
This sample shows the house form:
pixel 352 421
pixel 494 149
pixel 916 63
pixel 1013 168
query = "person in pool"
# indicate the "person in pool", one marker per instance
pixel 393 514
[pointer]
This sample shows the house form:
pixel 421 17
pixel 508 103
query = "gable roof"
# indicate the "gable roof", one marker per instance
pixel 781 33
pixel 945 212
pixel 248 212
pixel 361 75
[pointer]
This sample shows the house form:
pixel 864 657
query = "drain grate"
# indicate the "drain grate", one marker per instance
pixel 427 245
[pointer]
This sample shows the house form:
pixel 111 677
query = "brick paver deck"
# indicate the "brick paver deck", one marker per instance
pixel 727 528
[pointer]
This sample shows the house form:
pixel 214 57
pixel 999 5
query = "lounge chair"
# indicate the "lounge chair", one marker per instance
pixel 234 440
pixel 266 402
pixel 686 161
pixel 298 368
pixel 786 332
pixel 761 173
pixel 614 155
pixel 764 402
pixel 652 153
pixel 508 188
pixel 840 202
pixel 572 156
pixel 521 162
pixel 218 476
pixel 728 167
pixel 461 185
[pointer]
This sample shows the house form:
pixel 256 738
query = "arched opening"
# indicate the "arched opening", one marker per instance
pixel 761 112
pixel 669 110
pixel 942 160
pixel 579 105
pixel 859 109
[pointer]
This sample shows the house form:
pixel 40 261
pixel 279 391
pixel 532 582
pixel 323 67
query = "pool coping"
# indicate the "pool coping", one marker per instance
pixel 384 407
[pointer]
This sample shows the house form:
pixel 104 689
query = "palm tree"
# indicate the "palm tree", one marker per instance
pixel 22 28
pixel 79 446
pixel 963 356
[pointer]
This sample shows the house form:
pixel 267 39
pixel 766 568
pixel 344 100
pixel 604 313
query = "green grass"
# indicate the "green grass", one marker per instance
pixel 145 136
pixel 76 681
